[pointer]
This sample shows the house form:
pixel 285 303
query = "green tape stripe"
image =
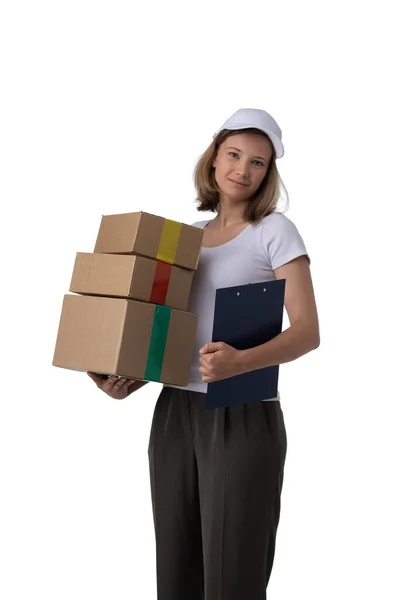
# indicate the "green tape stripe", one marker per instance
pixel 158 340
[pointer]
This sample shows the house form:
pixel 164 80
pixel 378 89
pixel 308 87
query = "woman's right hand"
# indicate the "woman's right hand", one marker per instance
pixel 115 387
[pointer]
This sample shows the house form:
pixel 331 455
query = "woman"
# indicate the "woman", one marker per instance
pixel 216 475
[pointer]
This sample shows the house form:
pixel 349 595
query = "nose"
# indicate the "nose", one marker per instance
pixel 242 169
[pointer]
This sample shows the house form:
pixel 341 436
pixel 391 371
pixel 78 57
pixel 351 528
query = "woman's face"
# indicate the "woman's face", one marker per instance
pixel 241 164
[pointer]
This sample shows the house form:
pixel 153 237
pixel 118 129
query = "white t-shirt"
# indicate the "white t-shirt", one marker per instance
pixel 250 257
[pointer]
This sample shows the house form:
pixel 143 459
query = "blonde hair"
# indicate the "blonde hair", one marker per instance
pixel 263 202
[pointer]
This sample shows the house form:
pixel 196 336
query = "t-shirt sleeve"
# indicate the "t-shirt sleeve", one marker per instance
pixel 281 240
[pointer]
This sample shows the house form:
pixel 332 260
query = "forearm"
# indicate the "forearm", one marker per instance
pixel 289 345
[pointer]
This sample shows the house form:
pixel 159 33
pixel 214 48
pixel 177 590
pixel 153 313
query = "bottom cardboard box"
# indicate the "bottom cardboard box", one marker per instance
pixel 129 338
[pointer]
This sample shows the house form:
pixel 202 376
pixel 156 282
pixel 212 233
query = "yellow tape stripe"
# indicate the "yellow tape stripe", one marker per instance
pixel 169 241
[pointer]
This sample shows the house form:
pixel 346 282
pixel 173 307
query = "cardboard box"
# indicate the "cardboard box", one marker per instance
pixel 130 338
pixel 152 236
pixel 128 276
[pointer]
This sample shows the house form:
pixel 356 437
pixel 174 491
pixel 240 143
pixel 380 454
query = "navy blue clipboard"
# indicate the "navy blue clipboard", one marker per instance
pixel 246 316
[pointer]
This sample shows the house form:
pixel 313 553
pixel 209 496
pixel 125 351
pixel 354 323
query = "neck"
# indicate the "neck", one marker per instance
pixel 229 214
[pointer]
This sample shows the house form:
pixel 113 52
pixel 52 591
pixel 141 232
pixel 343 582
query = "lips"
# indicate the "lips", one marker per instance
pixel 239 183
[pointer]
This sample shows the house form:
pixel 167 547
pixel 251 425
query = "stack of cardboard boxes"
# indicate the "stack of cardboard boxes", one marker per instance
pixel 128 314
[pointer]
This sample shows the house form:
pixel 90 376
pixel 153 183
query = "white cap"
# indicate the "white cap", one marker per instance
pixel 245 118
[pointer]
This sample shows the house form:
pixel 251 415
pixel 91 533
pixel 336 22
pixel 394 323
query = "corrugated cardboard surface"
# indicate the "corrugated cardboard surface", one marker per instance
pixel 179 288
pixel 141 233
pixel 189 246
pixel 149 235
pixel 143 278
pixel 102 274
pixel 136 339
pixel 112 336
pixel 179 348
pixel 117 233
pixel 127 276
pixel 90 333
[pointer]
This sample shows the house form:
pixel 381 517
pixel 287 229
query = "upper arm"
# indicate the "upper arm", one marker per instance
pixel 299 294
pixel 287 256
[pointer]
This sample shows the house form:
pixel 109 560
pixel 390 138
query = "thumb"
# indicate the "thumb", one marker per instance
pixel 96 378
pixel 212 347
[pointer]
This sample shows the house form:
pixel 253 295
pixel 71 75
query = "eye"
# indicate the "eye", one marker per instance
pixel 256 161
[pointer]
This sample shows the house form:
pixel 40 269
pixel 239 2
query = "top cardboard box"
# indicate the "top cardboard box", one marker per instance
pixel 152 236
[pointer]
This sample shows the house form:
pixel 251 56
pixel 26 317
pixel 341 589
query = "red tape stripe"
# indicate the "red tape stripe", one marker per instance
pixel 161 282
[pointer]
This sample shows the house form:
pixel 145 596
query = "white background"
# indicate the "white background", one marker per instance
pixel 105 108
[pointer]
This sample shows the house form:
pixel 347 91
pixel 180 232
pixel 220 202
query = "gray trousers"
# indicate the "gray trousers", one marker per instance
pixel 216 478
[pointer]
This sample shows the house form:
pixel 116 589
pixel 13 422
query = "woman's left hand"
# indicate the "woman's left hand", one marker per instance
pixel 220 361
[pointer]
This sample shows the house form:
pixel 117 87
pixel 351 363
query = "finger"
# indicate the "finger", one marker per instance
pixel 204 349
pixel 210 379
pixel 212 347
pixel 120 382
pixel 109 384
pixel 130 382
pixel 205 360
pixel 96 378
pixel 206 366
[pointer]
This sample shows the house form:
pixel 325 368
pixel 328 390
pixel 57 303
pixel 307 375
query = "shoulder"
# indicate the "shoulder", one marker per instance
pixel 276 221
pixel 280 239
pixel 276 225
